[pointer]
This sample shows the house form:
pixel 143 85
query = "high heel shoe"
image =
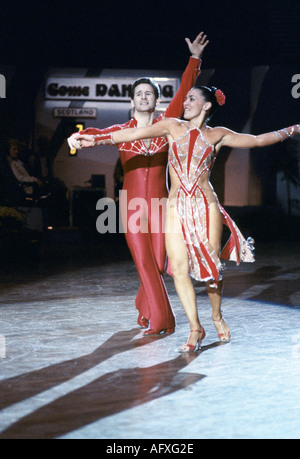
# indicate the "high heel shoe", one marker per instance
pixel 186 348
pixel 225 336
pixel 153 331
pixel 142 321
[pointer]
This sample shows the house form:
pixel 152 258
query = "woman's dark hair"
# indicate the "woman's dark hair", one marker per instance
pixel 209 95
pixel 146 80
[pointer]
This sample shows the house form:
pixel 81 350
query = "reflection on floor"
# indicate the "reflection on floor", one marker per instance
pixel 74 364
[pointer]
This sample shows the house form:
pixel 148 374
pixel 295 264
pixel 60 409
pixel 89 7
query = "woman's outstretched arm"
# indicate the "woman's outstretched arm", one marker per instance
pixel 160 129
pixel 235 140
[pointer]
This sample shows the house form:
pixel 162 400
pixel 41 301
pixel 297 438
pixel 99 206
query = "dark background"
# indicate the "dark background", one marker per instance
pixel 39 34
pixel 133 34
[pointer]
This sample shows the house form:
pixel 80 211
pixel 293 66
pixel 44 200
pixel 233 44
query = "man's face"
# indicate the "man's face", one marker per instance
pixel 144 98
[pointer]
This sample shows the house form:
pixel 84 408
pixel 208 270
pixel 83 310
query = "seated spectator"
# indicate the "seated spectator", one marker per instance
pixel 29 182
pixel 33 188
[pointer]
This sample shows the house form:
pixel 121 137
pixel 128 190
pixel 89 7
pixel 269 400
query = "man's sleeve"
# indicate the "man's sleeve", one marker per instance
pixel 188 80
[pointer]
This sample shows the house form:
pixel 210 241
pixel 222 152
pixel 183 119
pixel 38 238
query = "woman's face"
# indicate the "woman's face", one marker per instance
pixel 193 104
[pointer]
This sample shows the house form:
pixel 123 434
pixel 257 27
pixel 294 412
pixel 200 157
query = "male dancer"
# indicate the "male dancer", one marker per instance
pixel 144 163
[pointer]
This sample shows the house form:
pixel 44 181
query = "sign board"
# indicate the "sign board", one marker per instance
pixel 102 89
pixel 71 112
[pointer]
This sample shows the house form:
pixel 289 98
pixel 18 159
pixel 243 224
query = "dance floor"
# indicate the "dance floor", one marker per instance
pixel 75 365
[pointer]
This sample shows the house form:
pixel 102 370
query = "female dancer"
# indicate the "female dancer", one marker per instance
pixel 144 164
pixel 195 217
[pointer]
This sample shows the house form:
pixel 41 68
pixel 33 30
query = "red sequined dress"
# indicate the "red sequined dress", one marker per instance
pixel 145 177
pixel 192 158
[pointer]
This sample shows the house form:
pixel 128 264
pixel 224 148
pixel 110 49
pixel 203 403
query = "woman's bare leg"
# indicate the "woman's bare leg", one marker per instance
pixel 178 256
pixel 215 293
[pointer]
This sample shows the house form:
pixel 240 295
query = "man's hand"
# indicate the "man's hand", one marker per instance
pixel 80 141
pixel 198 45
pixel 73 142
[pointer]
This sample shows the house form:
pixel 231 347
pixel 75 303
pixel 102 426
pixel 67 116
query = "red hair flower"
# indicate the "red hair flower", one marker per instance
pixel 220 96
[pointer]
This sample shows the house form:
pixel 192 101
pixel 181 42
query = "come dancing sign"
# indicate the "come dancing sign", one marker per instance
pixel 104 89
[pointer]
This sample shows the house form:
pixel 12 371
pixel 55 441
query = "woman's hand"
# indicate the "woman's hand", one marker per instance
pixel 198 45
pixel 74 144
